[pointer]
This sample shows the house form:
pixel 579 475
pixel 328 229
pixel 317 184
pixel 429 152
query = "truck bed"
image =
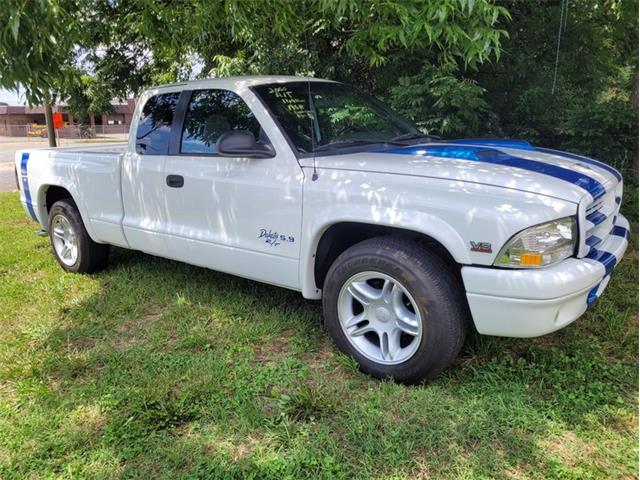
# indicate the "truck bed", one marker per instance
pixel 91 173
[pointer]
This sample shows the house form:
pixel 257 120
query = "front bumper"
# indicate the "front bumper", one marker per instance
pixel 530 303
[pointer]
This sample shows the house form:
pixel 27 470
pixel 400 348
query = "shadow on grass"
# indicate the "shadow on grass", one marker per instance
pixel 180 371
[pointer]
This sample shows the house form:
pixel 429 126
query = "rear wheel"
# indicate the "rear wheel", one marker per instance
pixel 71 245
pixel 396 307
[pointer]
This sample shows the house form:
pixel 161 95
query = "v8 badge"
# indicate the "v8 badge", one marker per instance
pixel 481 247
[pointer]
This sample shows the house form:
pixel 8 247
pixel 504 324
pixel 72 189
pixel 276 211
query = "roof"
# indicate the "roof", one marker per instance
pixel 235 82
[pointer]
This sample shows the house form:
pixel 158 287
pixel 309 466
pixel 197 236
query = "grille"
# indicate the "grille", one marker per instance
pixel 600 217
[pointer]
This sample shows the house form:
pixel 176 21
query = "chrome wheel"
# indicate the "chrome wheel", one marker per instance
pixel 64 239
pixel 380 318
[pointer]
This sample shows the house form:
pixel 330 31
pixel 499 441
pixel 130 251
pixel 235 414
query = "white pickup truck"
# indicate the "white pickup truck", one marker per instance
pixel 314 186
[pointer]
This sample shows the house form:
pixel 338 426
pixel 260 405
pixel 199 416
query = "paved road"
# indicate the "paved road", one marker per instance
pixel 9 146
pixel 7 154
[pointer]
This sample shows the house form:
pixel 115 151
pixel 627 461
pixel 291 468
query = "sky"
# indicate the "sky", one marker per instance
pixel 11 97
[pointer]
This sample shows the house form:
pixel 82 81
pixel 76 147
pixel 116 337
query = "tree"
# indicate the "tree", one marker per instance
pixel 360 42
pixel 87 95
pixel 37 39
pixel 441 102
pixel 338 39
pixel 127 46
pixel 592 109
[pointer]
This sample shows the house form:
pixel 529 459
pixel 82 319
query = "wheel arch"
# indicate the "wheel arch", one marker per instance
pixel 339 236
pixel 55 193
pixel 48 194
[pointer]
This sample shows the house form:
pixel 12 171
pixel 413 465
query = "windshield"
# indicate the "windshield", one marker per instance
pixel 339 115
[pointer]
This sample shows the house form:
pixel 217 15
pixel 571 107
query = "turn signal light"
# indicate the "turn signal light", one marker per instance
pixel 531 259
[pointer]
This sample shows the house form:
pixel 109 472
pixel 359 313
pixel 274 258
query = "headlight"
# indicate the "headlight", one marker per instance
pixel 540 245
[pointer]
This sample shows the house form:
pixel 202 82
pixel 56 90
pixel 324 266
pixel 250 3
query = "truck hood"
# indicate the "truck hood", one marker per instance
pixel 510 164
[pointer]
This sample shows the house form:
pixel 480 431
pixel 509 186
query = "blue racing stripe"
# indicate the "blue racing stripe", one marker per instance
pixel 446 151
pixel 596 218
pixel 489 155
pixel 593 295
pixel 608 260
pixel 590 161
pixel 25 185
pixel 619 231
pixel 494 142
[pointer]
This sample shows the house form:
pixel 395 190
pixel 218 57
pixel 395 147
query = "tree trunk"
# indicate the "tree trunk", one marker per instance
pixel 92 124
pixel 48 115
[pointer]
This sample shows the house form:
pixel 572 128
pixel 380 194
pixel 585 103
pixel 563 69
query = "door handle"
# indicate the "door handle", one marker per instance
pixel 175 181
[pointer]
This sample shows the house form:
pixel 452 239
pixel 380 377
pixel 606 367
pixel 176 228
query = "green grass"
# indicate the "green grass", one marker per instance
pixel 153 368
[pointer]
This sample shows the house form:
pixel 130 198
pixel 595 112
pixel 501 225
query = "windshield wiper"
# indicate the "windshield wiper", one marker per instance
pixel 346 143
pixel 355 142
pixel 413 136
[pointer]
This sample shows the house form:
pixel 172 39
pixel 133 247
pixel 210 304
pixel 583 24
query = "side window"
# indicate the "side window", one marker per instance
pixel 154 127
pixel 212 113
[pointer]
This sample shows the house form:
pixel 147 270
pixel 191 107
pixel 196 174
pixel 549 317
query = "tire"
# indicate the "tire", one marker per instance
pixel 412 290
pixel 66 229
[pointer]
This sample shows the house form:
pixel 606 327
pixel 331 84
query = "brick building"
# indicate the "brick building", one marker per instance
pixel 21 121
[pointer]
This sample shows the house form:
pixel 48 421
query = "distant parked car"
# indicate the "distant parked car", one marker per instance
pixel 36 130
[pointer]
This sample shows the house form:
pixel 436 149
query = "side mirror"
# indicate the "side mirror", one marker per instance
pixel 242 143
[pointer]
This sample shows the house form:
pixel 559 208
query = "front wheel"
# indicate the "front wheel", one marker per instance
pixel 72 247
pixel 396 307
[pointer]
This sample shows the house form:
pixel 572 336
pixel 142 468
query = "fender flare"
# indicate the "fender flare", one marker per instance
pixel 41 205
pixel 410 220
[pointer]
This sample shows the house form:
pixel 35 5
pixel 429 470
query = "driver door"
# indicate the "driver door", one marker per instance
pixel 237 215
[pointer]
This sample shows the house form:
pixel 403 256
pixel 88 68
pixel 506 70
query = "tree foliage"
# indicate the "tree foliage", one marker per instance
pixel 593 109
pixel 285 36
pixel 440 102
pixel 87 94
pixel 37 38
pixel 456 67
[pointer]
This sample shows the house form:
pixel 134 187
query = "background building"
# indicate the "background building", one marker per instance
pixel 23 121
